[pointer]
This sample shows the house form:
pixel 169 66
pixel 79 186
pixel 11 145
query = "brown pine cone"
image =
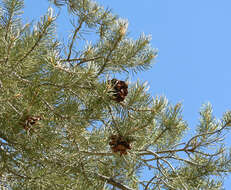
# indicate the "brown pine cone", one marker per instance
pixel 120 89
pixel 119 144
pixel 31 120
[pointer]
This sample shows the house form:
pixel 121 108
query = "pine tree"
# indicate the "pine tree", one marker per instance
pixel 66 121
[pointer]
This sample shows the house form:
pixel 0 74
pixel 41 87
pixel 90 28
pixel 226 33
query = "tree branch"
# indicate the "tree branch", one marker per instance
pixel 109 54
pixel 113 182
pixel 81 60
pixel 40 36
pixel 97 153
pixel 73 39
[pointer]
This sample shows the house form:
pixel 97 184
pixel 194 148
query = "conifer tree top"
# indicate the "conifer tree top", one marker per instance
pixel 70 119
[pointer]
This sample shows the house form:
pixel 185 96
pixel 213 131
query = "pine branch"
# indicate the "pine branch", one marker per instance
pixel 97 153
pixel 81 60
pixel 111 181
pixel 40 36
pixel 160 135
pixel 22 79
pixel 109 54
pixel 19 113
pixel 82 115
pixel 149 182
pixel 11 7
pixel 208 133
pixel 73 39
pixel 8 50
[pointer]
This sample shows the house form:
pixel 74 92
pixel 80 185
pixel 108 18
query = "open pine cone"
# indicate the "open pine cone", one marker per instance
pixel 31 120
pixel 119 144
pixel 120 89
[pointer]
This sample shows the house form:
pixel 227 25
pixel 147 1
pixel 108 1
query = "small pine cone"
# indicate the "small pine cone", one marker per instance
pixel 119 144
pixel 31 120
pixel 120 89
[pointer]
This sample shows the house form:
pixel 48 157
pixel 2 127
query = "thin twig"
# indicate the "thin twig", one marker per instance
pixel 81 60
pixel 73 39
pixel 97 153
pixel 135 129
pixel 160 167
pixel 36 43
pixel 205 134
pixel 19 113
pixel 20 78
pixel 149 182
pixel 160 135
pixel 108 56
pixel 173 169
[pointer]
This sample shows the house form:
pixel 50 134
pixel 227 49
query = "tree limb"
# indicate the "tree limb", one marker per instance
pixel 113 182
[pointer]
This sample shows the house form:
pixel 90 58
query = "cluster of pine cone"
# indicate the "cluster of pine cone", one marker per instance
pixel 119 144
pixel 119 89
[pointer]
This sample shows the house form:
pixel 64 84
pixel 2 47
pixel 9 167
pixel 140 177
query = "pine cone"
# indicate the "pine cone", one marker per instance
pixel 31 120
pixel 119 144
pixel 120 89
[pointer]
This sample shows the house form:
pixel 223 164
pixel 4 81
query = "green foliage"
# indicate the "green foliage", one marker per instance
pixel 66 85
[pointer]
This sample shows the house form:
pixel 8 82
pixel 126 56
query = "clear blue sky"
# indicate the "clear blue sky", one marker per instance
pixel 194 43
